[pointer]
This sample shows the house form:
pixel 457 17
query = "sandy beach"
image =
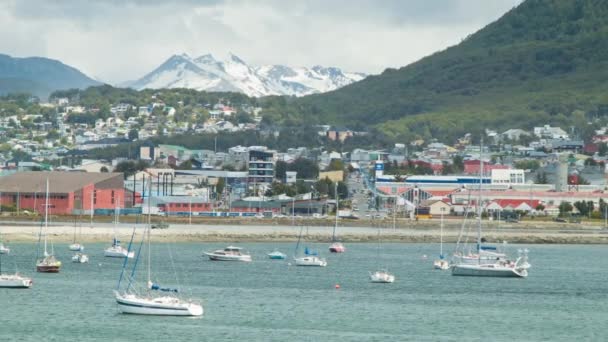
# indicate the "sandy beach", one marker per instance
pixel 321 231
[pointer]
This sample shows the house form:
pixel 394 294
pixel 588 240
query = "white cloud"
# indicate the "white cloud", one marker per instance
pixel 121 40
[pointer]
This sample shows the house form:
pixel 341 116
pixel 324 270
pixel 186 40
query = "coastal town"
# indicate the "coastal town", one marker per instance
pixel 517 173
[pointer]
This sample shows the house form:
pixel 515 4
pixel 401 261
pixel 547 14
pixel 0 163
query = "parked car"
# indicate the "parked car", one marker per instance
pixel 511 220
pixel 559 219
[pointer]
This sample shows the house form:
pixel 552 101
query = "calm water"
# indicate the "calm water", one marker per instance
pixel 564 298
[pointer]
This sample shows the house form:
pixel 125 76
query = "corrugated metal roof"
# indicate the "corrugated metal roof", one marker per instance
pixel 59 182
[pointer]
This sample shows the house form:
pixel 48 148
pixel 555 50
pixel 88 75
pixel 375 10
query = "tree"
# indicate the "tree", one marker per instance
pixel 104 169
pixel 540 207
pixel 541 178
pixel 458 164
pixel 602 149
pixel 565 208
pixel 133 134
pixel 130 167
pixel 219 186
pixel 335 165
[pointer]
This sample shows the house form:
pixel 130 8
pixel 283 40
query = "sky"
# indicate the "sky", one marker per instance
pixel 115 41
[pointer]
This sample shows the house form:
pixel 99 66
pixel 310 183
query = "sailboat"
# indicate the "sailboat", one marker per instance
pixel 75 246
pixel 310 258
pixel 336 247
pixel 3 249
pixel 381 275
pixel 441 263
pixel 116 250
pixel 484 266
pixel 15 281
pixel 147 301
pixel 48 264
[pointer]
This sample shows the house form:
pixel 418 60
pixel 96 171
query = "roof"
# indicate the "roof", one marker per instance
pixel 59 182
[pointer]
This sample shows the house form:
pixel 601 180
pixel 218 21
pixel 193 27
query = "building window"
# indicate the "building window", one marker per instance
pixel 94 197
pixel 112 196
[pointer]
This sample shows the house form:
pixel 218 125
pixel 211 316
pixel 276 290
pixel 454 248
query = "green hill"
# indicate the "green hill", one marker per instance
pixel 545 61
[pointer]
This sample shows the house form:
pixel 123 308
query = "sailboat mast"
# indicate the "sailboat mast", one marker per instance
pixel 479 211
pixel 333 235
pixel 149 228
pixel 46 215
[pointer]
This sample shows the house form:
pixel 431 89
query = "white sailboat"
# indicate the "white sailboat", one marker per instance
pixel 484 266
pixel 116 250
pixel 3 248
pixel 15 281
pixel 441 263
pixel 48 264
pixel 381 275
pixel 75 246
pixel 147 301
pixel 336 246
pixel 310 258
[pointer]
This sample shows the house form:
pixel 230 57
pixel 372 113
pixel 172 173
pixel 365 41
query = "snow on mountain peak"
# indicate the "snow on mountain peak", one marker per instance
pixel 235 75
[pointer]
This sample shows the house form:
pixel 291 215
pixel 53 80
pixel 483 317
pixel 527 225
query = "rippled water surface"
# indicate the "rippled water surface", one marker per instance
pixel 564 298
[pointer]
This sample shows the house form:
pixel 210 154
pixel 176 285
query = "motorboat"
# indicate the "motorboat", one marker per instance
pixel 381 276
pixel 80 258
pixel 118 251
pixel 15 281
pixel 161 306
pixel 76 247
pixel 337 247
pixel 229 253
pixel 310 260
pixel 276 255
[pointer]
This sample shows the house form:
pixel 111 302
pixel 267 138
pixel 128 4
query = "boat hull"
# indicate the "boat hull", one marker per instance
pixel 157 307
pixel 114 253
pixel 48 269
pixel 15 282
pixel 76 247
pixel 488 271
pixel 80 259
pixel 441 265
pixel 337 248
pixel 311 261
pixel 218 257
pixel 276 256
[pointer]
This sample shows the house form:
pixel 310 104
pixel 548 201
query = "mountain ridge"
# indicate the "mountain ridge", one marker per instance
pixel 233 74
pixel 39 75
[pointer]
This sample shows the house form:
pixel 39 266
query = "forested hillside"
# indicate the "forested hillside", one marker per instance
pixel 544 61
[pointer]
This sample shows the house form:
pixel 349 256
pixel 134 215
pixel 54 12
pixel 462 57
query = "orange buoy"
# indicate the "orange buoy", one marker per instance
pixel 337 286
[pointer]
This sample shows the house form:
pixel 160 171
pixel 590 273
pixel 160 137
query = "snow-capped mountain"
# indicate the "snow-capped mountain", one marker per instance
pixel 233 74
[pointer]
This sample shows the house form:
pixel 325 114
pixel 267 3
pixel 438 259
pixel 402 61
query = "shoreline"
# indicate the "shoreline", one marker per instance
pixel 256 231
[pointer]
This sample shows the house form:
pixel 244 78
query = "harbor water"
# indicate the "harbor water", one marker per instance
pixel 563 299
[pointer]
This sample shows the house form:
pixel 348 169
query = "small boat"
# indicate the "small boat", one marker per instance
pixel 486 261
pixel 76 247
pixel 381 276
pixel 80 258
pixel 441 263
pixel 336 247
pixel 501 268
pixel 148 301
pixel 229 253
pixel 160 306
pixel 4 249
pixel 310 260
pixel 48 264
pixel 117 251
pixel 276 255
pixel 15 281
